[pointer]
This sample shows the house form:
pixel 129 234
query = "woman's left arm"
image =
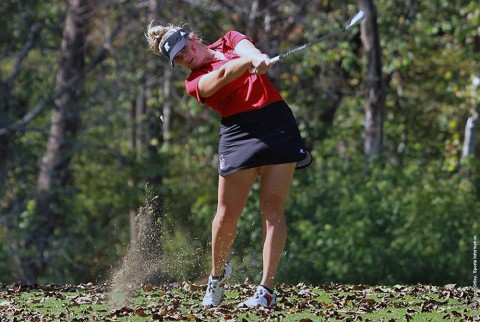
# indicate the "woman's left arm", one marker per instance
pixel 246 48
pixel 260 61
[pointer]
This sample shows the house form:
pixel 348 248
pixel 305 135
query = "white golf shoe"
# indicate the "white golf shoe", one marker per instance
pixel 262 297
pixel 215 292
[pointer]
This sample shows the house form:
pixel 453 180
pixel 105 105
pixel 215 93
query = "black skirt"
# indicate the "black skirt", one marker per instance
pixel 265 136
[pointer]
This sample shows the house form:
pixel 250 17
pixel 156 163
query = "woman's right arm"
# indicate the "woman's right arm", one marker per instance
pixel 210 83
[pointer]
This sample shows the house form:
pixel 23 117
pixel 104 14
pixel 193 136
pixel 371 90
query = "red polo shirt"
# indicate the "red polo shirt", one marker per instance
pixel 247 92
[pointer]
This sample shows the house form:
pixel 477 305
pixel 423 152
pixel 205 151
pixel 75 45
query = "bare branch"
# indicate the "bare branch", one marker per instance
pixel 73 82
pixel 32 37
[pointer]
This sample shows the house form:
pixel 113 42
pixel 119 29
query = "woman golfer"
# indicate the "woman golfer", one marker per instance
pixel 258 137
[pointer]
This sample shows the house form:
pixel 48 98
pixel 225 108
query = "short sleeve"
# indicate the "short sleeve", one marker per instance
pixel 234 37
pixel 228 42
pixel 191 85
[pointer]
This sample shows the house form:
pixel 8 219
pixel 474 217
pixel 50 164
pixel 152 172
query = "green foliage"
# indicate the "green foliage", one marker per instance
pixel 382 225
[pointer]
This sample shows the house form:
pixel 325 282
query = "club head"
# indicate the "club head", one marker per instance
pixel 357 18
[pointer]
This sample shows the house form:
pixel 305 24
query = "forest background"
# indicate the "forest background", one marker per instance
pixel 101 148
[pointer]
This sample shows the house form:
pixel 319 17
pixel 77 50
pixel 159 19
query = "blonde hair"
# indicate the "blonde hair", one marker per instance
pixel 156 35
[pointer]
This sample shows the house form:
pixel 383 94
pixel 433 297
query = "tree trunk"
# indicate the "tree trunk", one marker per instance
pixel 260 25
pixel 468 149
pixel 167 104
pixel 5 141
pixel 469 141
pixel 55 173
pixel 145 226
pixel 153 124
pixel 132 145
pixel 375 100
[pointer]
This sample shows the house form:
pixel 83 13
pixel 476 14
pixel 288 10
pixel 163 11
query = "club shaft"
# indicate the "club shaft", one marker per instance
pixel 358 17
pixel 300 48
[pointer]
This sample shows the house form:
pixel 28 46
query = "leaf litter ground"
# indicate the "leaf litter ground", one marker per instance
pixel 182 302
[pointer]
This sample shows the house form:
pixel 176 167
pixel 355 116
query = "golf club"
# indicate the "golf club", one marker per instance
pixel 356 19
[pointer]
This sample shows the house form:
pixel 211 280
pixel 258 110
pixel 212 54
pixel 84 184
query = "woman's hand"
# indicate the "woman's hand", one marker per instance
pixel 260 63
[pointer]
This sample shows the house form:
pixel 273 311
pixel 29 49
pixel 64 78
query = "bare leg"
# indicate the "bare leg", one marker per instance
pixel 233 193
pixel 275 184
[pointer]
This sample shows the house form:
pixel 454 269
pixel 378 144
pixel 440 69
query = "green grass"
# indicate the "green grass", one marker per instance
pixel 182 301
